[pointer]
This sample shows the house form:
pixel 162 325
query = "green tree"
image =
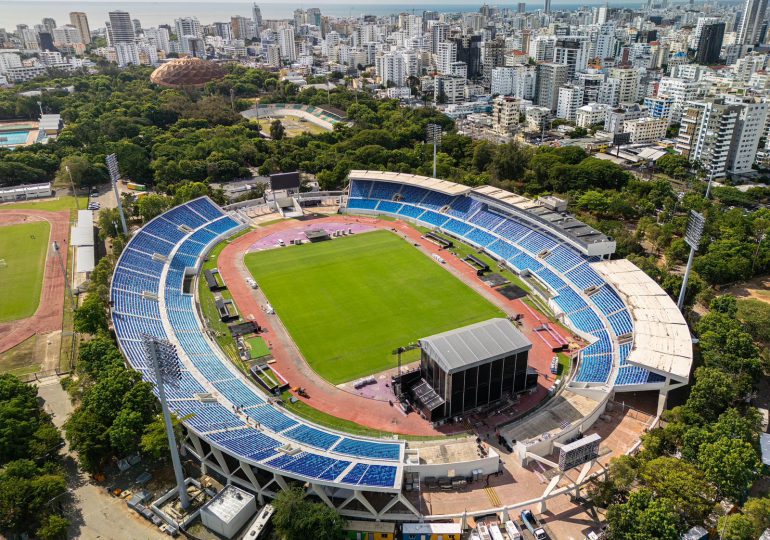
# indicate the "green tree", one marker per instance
pixel 53 527
pixel 297 518
pixel 681 483
pixel 154 440
pixel 98 355
pixel 754 315
pixel 277 131
pixel 509 162
pixel 644 517
pixel 84 172
pixel 735 527
pixel 758 512
pixel 152 205
pixel 91 317
pixel 730 464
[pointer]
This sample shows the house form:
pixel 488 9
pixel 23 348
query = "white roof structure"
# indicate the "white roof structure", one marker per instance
pixel 475 344
pixel 82 239
pixel 443 186
pixel 431 528
pixel 662 341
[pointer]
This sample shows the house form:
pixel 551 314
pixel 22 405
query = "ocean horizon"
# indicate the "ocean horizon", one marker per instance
pixel 31 12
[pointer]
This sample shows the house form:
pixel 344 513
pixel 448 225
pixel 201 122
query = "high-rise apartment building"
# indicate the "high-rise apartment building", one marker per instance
pixel 751 22
pixel 287 44
pixel 710 43
pixel 121 29
pixel 445 56
pixel 706 133
pixel 550 77
pixel 505 113
pixel 570 99
pixel 80 21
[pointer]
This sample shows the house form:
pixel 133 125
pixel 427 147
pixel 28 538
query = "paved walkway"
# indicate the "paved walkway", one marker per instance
pixel 48 316
pixel 373 413
pixel 97 515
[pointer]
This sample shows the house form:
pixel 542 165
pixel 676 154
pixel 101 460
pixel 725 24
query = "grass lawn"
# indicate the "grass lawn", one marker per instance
pixel 258 347
pixel 292 124
pixel 348 303
pixel 20 360
pixel 23 248
pixel 59 203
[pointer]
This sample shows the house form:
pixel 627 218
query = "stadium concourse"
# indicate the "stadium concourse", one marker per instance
pixel 637 339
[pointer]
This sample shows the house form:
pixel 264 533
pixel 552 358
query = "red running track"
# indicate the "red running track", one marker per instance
pixel 48 316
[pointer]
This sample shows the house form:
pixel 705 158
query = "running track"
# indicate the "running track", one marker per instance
pixel 324 396
pixel 48 316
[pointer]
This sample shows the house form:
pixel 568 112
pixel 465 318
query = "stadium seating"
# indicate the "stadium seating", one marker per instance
pixel 479 237
pixel 368 449
pixel 390 207
pixel 363 204
pixel 134 316
pixel 435 200
pixel 584 277
pixel 535 242
pixel 433 218
pixel 621 323
pixel 360 189
pixel 411 211
pixel 607 300
pixel 456 227
pixel 487 220
pixel 503 250
pixel 384 190
pixel 412 195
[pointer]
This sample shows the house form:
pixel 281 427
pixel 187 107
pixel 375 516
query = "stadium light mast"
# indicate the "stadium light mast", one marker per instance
pixel 112 167
pixel 57 252
pixel 433 135
pixel 162 354
pixel 692 236
pixel 72 184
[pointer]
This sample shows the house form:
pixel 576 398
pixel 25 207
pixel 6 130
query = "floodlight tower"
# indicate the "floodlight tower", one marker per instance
pixel 433 135
pixel 162 354
pixel 57 252
pixel 692 236
pixel 112 167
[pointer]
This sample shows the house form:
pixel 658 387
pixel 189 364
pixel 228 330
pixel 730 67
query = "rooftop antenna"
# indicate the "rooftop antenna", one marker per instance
pixel 163 356
pixel 114 170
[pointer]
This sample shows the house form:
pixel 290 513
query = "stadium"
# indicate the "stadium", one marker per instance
pixel 392 230
pixel 297 118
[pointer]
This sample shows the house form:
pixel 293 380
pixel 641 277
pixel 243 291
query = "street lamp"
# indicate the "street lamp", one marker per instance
pixel 433 135
pixel 112 167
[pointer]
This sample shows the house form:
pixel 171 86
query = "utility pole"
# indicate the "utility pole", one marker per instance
pixel 433 135
pixel 112 167
pixel 692 236
pixel 57 252
pixel 164 359
pixel 72 184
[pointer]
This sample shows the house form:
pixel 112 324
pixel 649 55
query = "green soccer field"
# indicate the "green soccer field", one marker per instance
pixel 23 250
pixel 348 303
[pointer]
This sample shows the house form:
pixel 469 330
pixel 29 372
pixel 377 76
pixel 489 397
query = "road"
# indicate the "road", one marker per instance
pixel 97 514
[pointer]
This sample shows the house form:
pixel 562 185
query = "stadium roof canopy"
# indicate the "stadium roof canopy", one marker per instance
pixel 476 344
pixel 188 71
pixel 443 186
pixel 662 341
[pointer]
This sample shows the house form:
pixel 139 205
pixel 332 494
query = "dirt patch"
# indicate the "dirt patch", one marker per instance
pixel 757 288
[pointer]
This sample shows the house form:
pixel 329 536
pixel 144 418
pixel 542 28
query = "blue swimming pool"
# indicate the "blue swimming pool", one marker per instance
pixel 13 138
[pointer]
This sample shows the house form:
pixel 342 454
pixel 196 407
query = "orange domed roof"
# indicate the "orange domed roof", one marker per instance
pixel 188 71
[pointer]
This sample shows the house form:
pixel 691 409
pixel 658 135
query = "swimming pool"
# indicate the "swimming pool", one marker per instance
pixel 13 138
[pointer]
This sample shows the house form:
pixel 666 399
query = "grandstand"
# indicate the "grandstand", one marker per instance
pixel 240 421
pixel 597 298
pixel 318 116
pixel 637 340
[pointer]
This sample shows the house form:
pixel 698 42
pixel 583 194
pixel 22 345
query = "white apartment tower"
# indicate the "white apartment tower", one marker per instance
pixel 287 44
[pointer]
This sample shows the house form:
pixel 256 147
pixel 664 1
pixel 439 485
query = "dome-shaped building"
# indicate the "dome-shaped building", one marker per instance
pixel 188 71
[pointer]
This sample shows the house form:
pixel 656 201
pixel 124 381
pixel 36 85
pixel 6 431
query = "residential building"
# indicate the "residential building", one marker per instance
pixel 659 107
pixel 550 77
pixel 449 90
pixel 287 44
pixel 752 18
pixel 445 56
pixel 80 21
pixel 710 43
pixel 572 52
pixel 646 130
pixel 706 133
pixel 591 115
pixel 570 99
pixel 121 29
pixel 505 114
